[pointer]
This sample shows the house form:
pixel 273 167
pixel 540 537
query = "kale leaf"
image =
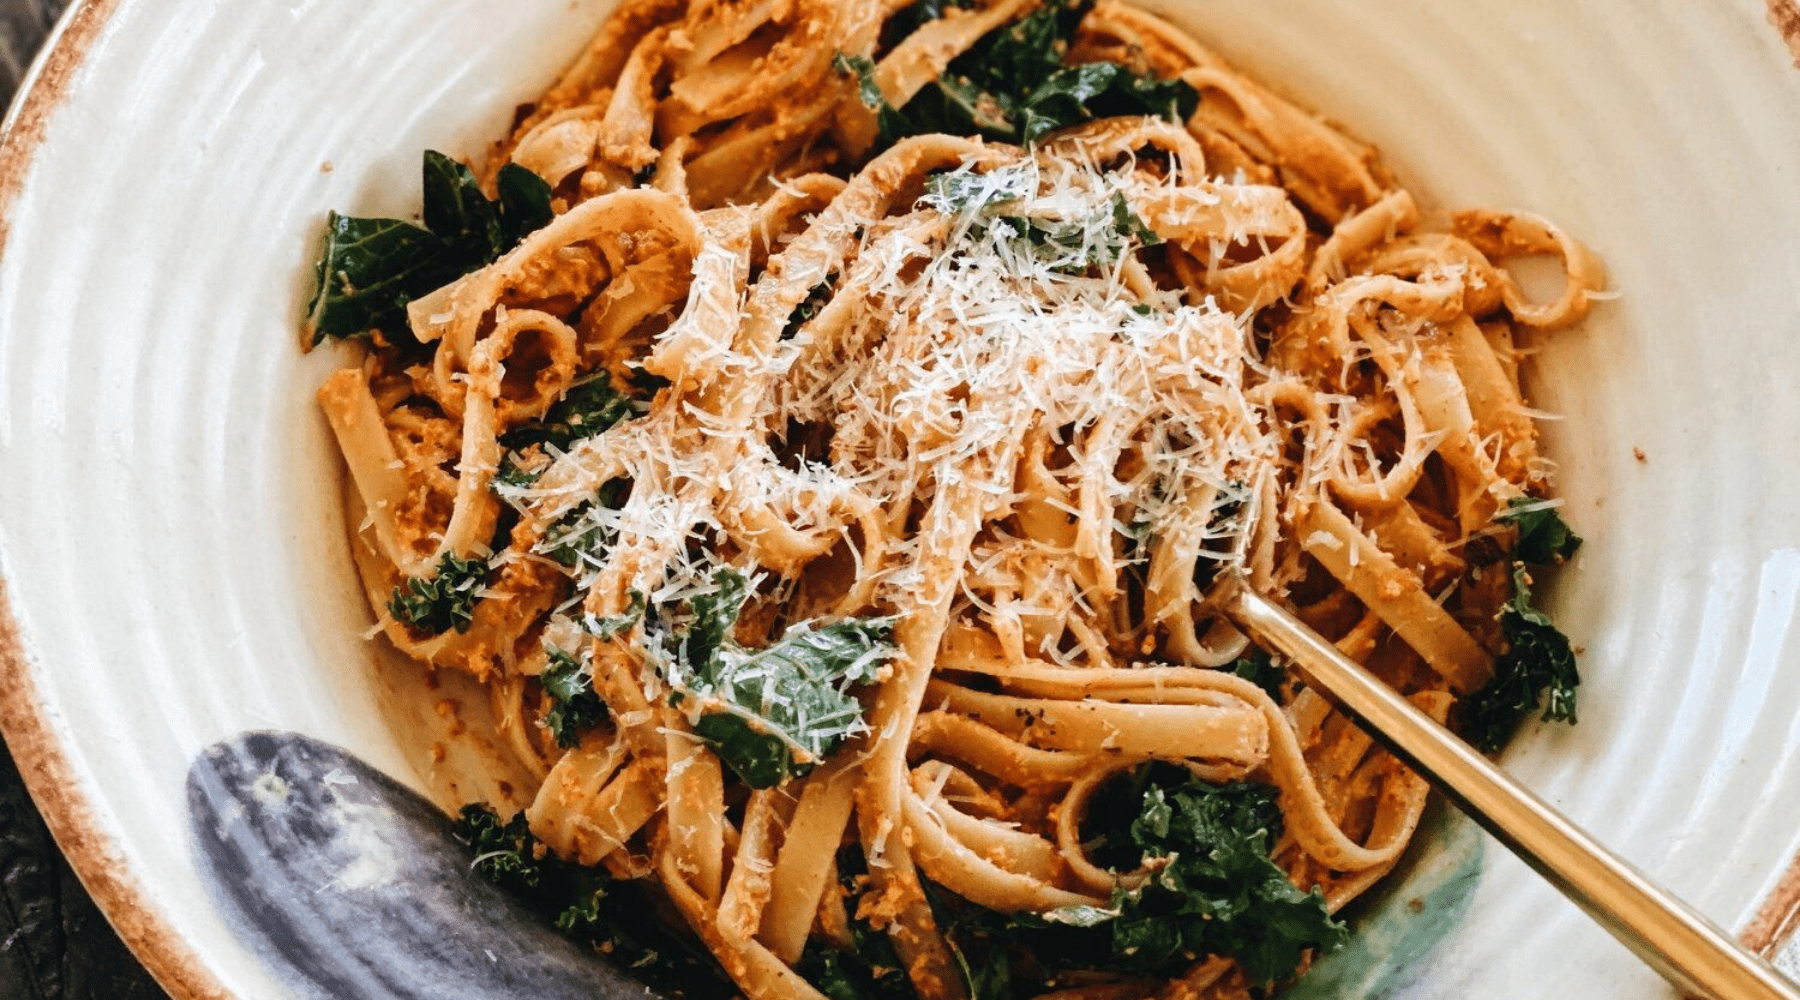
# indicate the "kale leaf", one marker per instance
pixel 577 706
pixel 477 230
pixel 975 195
pixel 1544 537
pixel 1538 666
pixel 370 269
pixel 608 627
pixel 513 474
pixel 793 696
pixel 1218 892
pixel 872 970
pixel 1213 890
pixel 443 601
pixel 1101 90
pixel 1260 669
pixel 982 203
pixel 952 105
pixel 761 759
pixel 612 916
pixel 582 535
pixel 456 211
pixel 1066 246
pixel 504 852
pixel 714 615
pixel 1012 86
pixel 524 205
pixel 863 68
pixel 846 975
pixel 914 16
pixel 999 953
pixel 774 712
pixel 1015 58
pixel 588 407
pixel 808 308
pixel 893 126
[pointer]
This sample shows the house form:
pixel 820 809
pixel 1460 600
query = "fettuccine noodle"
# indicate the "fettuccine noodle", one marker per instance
pixel 873 400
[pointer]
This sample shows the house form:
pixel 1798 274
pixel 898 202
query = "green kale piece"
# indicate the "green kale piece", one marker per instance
pixel 1066 246
pixel 976 196
pixel 524 205
pixel 1544 537
pixel 588 407
pixel 613 916
pixel 981 203
pixel 872 970
pixel 912 17
pixel 612 626
pixel 582 535
pixel 1537 667
pixel 514 475
pixel 1217 891
pixel 1015 58
pixel 808 308
pixel 1213 889
pixel 1101 90
pixel 1260 669
pixel 504 852
pixel 773 712
pixel 1012 86
pixel 846 975
pixel 863 68
pixel 793 706
pixel 953 105
pixel 713 616
pixel 370 269
pixel 760 759
pixel 577 706
pixel 893 126
pixel 457 212
pixel 443 601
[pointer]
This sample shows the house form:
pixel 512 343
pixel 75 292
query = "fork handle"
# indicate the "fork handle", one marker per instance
pixel 1673 938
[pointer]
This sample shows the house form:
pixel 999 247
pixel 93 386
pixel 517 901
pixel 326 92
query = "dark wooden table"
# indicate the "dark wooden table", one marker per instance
pixel 54 944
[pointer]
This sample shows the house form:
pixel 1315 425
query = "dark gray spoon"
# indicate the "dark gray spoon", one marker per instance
pixel 351 886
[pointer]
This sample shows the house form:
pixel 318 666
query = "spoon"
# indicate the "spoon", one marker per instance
pixel 1681 944
pixel 349 884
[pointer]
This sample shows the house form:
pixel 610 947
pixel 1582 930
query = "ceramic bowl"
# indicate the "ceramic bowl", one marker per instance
pixel 176 574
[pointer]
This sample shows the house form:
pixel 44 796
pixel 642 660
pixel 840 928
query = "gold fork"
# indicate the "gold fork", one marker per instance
pixel 1673 938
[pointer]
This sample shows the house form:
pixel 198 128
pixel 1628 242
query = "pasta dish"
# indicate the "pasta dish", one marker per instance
pixel 820 424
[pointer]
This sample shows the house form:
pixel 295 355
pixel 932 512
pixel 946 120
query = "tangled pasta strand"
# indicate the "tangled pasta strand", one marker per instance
pixel 1024 404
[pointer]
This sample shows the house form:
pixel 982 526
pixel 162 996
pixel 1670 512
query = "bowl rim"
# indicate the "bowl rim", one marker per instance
pixel 28 728
pixel 1784 17
pixel 43 762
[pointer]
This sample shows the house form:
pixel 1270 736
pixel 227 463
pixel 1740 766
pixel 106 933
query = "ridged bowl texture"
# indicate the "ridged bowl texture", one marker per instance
pixel 174 554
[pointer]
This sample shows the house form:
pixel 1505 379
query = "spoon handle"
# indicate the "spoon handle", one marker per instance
pixel 1672 937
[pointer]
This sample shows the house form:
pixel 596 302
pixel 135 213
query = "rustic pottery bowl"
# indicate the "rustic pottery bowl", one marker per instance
pixel 182 661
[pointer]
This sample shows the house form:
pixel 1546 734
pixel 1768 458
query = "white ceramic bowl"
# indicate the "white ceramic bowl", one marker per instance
pixel 174 564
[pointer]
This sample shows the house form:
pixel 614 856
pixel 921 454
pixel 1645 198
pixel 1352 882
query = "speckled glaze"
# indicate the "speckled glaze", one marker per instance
pixel 173 555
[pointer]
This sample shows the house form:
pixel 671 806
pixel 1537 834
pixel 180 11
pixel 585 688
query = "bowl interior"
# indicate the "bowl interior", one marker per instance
pixel 175 554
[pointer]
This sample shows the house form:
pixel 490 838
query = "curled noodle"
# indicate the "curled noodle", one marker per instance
pixel 873 403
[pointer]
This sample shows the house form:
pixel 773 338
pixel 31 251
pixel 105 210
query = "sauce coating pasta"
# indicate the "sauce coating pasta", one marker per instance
pixel 828 501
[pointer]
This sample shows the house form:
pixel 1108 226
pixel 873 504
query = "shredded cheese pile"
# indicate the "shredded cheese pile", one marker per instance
pixel 935 455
